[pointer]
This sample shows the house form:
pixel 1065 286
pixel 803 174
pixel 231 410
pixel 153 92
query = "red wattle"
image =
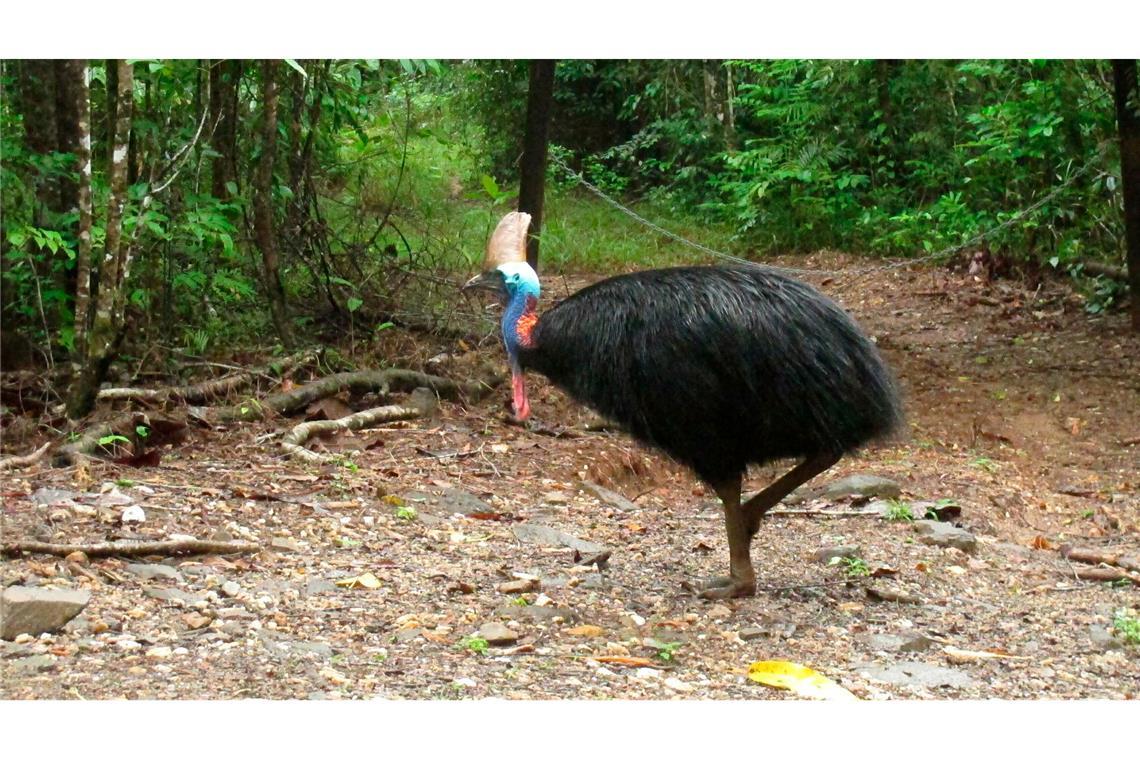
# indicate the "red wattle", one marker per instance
pixel 518 388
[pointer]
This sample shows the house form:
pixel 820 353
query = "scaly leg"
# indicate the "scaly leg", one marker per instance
pixel 742 521
pixel 741 580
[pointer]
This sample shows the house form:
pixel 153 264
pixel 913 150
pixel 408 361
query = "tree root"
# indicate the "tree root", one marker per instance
pixel 133 548
pixel 12 463
pixel 422 403
pixel 382 382
pixel 201 393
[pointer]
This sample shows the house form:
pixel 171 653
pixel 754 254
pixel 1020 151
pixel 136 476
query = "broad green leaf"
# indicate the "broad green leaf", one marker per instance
pixel 296 67
pixel 354 303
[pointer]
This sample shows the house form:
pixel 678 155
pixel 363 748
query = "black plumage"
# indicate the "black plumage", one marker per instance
pixel 718 366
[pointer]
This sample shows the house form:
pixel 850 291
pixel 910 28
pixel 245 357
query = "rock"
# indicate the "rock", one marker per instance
pixel 133 514
pixel 863 486
pixel 159 653
pixel 612 498
pixel 520 586
pixel 150 572
pixel 113 498
pixel 26 666
pixel 282 544
pixel 719 612
pixel 676 684
pixel 176 595
pixel 828 553
pixel 750 633
pixel 917 674
pixel 1102 639
pixel 886 642
pixel 497 634
pixel 535 533
pixel 943 534
pixel 54 497
pixel 453 501
pixel 535 614
pixel 34 611
pixel 319 586
pixel 231 588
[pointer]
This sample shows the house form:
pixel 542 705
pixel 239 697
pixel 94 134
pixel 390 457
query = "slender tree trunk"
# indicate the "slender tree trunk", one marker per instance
pixel 224 76
pixel 264 229
pixel 79 73
pixel 532 180
pixel 1128 124
pixel 102 339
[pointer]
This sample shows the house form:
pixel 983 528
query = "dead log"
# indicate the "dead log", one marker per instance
pixel 422 403
pixel 105 438
pixel 1104 575
pixel 1097 269
pixel 12 463
pixel 132 548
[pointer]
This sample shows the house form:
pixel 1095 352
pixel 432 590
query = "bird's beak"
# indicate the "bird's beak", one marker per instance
pixel 490 280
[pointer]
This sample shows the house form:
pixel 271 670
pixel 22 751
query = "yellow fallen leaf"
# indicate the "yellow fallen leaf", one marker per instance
pixel 797 678
pixel 368 580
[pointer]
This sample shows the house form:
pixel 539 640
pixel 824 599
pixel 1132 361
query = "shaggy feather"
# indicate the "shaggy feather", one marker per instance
pixel 718 366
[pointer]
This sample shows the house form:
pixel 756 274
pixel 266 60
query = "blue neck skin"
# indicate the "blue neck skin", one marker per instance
pixel 522 286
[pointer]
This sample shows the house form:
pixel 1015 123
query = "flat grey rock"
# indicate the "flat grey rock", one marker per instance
pixel 32 610
pixel 886 642
pixel 864 486
pixel 54 497
pixel 497 634
pixel 536 533
pixel 150 572
pixel 453 501
pixel 828 553
pixel 918 674
pixel 943 534
pixel 612 498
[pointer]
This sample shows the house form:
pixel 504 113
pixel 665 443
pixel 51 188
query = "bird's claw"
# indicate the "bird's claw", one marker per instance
pixel 726 587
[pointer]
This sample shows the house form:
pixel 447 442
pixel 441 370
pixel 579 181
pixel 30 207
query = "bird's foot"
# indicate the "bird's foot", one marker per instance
pixel 726 587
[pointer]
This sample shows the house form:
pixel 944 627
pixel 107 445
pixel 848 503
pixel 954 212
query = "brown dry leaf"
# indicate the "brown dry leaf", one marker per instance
pixel 954 654
pixel 585 630
pixel 367 580
pixel 883 571
pixel 625 662
pixel 1040 542
pixel 194 620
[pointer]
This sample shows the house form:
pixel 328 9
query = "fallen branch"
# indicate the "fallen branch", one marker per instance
pixel 133 548
pixel 89 444
pixel 1096 268
pixel 1104 575
pixel 422 403
pixel 1101 557
pixel 12 463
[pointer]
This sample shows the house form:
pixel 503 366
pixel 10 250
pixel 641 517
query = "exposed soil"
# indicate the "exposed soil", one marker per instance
pixel 1023 409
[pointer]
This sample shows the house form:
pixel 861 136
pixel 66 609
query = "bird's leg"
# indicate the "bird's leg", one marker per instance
pixel 741 580
pixel 758 505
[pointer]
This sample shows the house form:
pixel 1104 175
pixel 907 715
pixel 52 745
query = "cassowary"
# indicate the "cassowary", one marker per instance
pixel 718 366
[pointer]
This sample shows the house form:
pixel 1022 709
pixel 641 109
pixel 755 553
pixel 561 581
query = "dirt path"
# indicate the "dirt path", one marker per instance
pixel 1024 412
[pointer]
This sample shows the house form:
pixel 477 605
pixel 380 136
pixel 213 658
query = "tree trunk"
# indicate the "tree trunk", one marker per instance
pixel 264 228
pixel 533 174
pixel 102 339
pixel 79 74
pixel 224 76
pixel 1128 123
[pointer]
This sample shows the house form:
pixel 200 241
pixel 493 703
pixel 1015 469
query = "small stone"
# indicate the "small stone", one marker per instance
pixel 1102 639
pixel 719 612
pixel 59 515
pixel 127 644
pixel 864 486
pixel 150 572
pixel 828 553
pixel 282 544
pixel 53 497
pixel 751 633
pixel 231 588
pixel 31 610
pixel 676 684
pixel 133 514
pixel 79 558
pixel 497 634
pixel 159 653
pixel 195 620
pixel 31 665
pixel 468 683
pixel 943 534
pixel 520 586
pixel 645 674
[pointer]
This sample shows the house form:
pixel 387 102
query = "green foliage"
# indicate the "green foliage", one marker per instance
pixel 1127 626
pixel 474 644
pixel 898 510
pixel 666 651
pixel 405 512
pixel 853 567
